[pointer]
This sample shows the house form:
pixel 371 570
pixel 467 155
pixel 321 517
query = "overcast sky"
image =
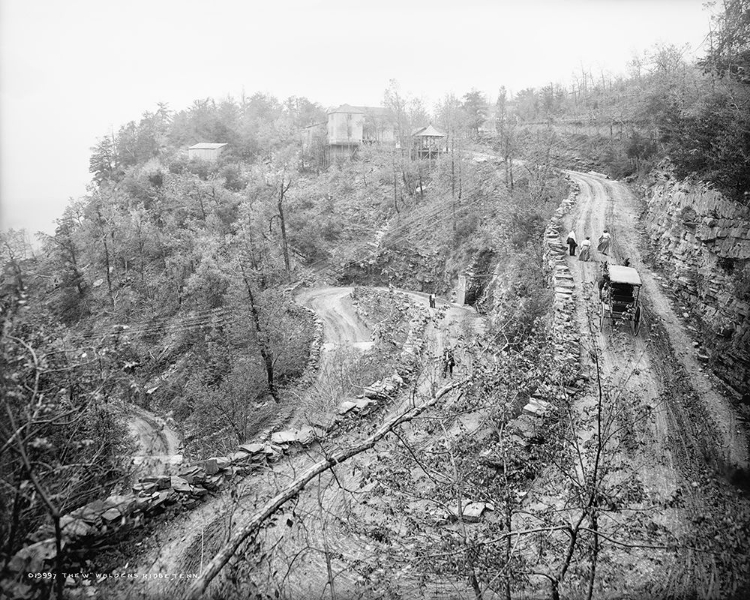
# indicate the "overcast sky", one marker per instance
pixel 73 70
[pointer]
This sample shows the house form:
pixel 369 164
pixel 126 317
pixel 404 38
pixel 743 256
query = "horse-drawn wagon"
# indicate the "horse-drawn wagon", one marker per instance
pixel 620 297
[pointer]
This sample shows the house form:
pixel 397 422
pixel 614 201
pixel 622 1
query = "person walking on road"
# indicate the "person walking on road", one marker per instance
pixel 603 246
pixel 432 300
pixel 572 243
pixel 585 254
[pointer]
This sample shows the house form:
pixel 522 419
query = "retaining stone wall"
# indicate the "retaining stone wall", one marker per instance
pixel 566 337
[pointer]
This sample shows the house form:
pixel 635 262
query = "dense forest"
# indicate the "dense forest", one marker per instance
pixel 695 114
pixel 168 286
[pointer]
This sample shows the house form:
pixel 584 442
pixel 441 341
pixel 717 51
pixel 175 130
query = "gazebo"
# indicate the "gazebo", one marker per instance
pixel 428 142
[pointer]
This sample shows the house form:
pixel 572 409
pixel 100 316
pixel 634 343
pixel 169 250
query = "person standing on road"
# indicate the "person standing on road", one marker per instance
pixel 585 250
pixel 604 282
pixel 572 243
pixel 432 300
pixel 449 361
pixel 603 246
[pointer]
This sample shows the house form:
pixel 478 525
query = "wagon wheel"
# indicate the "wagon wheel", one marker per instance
pixel 637 321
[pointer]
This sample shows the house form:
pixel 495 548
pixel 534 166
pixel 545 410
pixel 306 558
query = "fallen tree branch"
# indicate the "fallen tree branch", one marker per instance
pixel 251 527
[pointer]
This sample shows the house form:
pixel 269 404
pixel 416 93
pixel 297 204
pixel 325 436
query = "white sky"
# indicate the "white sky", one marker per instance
pixel 72 70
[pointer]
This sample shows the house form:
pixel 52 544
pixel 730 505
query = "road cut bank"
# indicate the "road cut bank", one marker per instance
pixel 701 241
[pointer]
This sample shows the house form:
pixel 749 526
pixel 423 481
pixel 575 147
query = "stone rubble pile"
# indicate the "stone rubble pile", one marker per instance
pixel 152 495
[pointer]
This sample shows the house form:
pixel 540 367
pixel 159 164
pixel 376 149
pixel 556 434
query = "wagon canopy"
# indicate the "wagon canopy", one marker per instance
pixel 619 274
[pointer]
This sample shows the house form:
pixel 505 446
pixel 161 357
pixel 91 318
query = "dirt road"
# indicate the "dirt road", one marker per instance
pixel 158 444
pixel 195 537
pixel 341 326
pixel 635 363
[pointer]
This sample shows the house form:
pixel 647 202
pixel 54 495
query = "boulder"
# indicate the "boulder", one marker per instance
pixel 471 511
pixel 199 491
pixel 253 448
pixel 193 475
pixel 273 452
pixel 211 466
pixel 111 516
pixel 284 437
pixel 92 512
pixel 125 503
pixel 346 406
pixel 144 489
pixel 180 485
pixel 537 407
pixel 31 559
pixel 239 457
pixel 364 403
pixel 162 483
pixel 158 499
pixel 222 461
pixel 75 528
pixel 214 482
pixel 307 435
pixel 376 391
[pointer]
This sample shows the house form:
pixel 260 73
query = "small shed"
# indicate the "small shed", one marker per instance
pixel 206 151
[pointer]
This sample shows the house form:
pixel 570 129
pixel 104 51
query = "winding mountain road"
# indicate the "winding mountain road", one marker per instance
pixel 158 444
pixel 194 537
pixel 311 537
pixel 636 364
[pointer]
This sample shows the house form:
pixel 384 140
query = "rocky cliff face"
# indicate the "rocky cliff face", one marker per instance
pixel 702 242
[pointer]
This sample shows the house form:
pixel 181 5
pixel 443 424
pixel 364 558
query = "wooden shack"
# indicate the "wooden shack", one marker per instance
pixel 209 151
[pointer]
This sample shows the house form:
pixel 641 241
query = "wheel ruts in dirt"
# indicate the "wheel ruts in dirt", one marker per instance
pixel 637 321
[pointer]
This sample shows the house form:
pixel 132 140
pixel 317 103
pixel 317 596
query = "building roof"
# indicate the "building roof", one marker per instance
pixel 346 108
pixel 378 111
pixel 207 146
pixel 429 131
pixel 620 274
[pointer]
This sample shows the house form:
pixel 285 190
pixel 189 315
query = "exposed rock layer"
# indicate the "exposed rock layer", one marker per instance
pixel 701 240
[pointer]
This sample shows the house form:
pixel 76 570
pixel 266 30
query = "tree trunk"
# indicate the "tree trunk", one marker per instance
pixel 59 559
pixel 106 258
pixel 594 554
pixel 280 206
pixel 265 352
pixel 555 589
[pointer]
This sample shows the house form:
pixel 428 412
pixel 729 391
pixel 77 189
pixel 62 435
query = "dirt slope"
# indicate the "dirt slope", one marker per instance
pixel 185 544
pixel 646 377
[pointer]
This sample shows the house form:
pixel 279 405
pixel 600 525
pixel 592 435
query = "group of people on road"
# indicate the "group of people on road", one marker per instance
pixel 585 245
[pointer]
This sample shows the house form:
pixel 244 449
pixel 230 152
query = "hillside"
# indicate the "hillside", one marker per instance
pixel 223 378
